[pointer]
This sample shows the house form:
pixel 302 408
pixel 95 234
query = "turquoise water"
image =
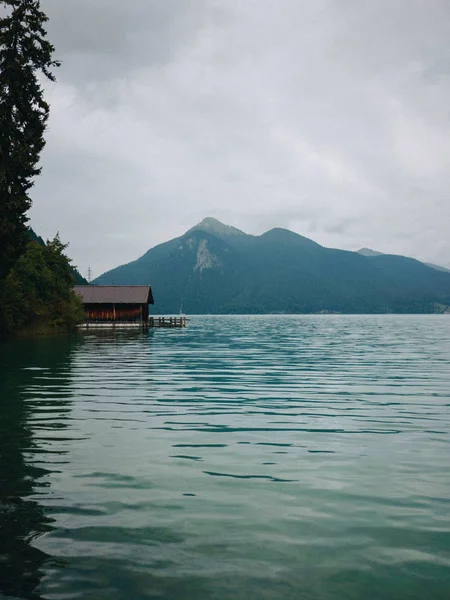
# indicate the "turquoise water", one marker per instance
pixel 242 457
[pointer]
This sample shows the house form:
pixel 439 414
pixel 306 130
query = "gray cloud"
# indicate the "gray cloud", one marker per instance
pixel 107 40
pixel 328 117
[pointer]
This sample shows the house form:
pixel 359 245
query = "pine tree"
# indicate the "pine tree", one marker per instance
pixel 25 53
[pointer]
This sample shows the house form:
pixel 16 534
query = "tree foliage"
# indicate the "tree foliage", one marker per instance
pixel 25 54
pixel 36 279
pixel 38 291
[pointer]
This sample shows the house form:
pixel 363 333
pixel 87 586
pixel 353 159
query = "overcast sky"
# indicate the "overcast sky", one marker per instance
pixel 328 117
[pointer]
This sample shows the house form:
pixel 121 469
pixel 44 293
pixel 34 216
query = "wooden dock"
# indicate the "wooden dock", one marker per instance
pixel 167 322
pixel 150 322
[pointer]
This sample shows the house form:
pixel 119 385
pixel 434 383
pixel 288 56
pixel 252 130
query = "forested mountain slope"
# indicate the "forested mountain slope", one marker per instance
pixel 214 268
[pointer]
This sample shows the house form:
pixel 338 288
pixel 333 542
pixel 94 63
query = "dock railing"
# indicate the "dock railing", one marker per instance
pixel 150 322
pixel 167 321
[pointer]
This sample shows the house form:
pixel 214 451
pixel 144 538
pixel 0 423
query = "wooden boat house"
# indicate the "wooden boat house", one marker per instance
pixel 115 304
pixel 121 306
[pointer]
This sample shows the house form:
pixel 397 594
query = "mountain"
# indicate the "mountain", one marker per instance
pixel 437 267
pixel 214 268
pixel 217 228
pixel 369 252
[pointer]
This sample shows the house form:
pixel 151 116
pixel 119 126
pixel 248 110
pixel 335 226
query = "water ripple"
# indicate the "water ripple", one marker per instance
pixel 269 457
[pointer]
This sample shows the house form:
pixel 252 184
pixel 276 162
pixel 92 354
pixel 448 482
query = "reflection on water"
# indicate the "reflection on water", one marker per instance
pixel 34 404
pixel 267 457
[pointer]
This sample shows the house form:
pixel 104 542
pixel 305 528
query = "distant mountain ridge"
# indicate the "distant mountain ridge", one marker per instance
pixel 370 252
pixel 216 268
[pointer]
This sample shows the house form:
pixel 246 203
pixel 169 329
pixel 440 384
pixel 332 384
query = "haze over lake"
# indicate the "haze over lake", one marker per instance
pixel 275 457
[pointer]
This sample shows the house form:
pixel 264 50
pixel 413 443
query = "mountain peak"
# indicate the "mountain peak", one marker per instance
pixel 369 252
pixel 281 235
pixel 212 225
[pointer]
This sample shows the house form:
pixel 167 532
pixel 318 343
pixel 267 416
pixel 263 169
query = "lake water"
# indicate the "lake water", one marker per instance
pixel 302 457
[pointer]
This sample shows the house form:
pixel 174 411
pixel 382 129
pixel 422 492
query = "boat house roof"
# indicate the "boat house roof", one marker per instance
pixel 115 294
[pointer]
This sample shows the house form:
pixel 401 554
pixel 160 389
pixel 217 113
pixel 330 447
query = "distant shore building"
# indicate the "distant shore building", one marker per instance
pixel 115 304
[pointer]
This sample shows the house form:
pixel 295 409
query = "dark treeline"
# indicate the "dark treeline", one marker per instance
pixel 36 279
